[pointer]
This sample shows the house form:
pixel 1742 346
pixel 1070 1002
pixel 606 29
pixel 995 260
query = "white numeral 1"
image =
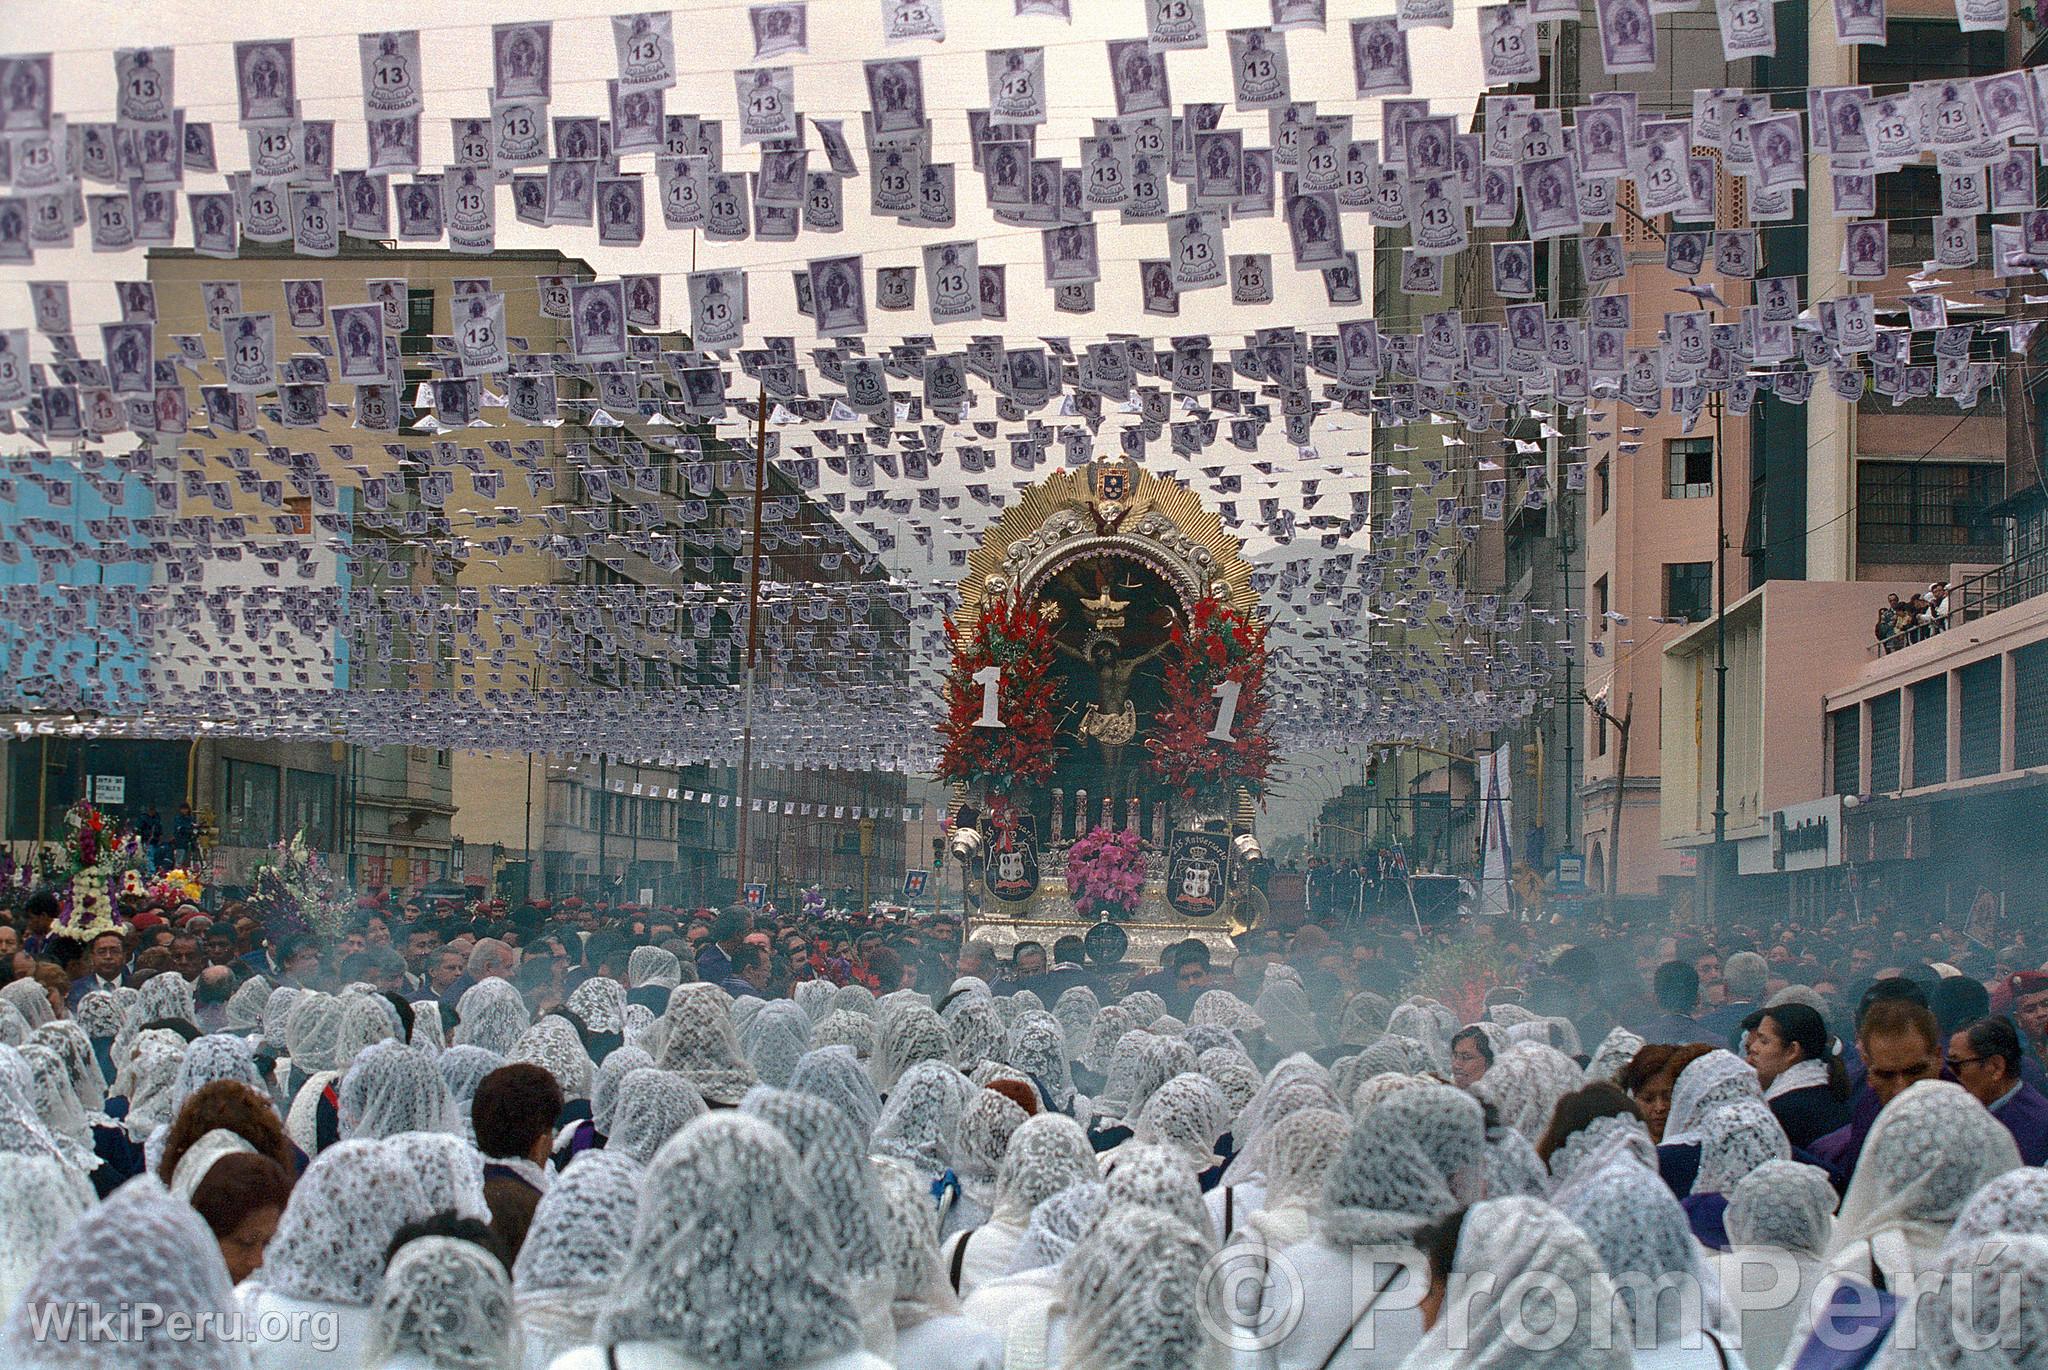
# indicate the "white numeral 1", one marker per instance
pixel 1227 713
pixel 990 678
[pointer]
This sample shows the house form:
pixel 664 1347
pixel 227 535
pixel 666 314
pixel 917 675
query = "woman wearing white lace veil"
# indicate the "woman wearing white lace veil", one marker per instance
pixel 1037 1047
pixel 600 1004
pixel 700 1045
pixel 921 1117
pixel 166 995
pixel 841 1028
pixel 653 966
pixel 1717 1078
pixel 2014 1204
pixel 389 1089
pixel 574 1249
pixel 1187 1114
pixel 146 1082
pixel 653 1106
pixel 843 1183
pixel 244 1011
pixel 1236 1075
pixel 1300 1150
pixel 1045 1154
pixel 328 1254
pixel 977 1154
pixel 1646 1244
pixel 1414 1020
pixel 490 1014
pixel 1033 1280
pixel 38 1205
pixel 774 1040
pixel 605 1096
pixel 1522 1244
pixel 445 1304
pixel 312 1033
pixel 99 1014
pixel 552 1044
pixel 1736 1139
pixel 977 1030
pixel 1294 1084
pixel 1524 1085
pixel 1076 1009
pixel 81 1066
pixel 1929 1151
pixel 1284 1008
pixel 448 1170
pixel 1098 1049
pixel 1780 1221
pixel 905 1037
pixel 930 1333
pixel 462 1069
pixel 1414 1157
pixel 215 1057
pixel 14 1028
pixel 1132 1297
pixel 1615 1051
pixel 1144 1061
pixel 56 1106
pixel 141 1248
pixel 835 1074
pixel 1997 1320
pixel 30 999
pixel 730 1263
pixel 366 1019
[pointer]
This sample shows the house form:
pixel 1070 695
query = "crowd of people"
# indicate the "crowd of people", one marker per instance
pixel 1918 616
pixel 492 1137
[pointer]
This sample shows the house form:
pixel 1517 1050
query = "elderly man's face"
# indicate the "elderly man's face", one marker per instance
pixel 185 957
pixel 1031 961
pixel 10 941
pixel 220 946
pixel 23 965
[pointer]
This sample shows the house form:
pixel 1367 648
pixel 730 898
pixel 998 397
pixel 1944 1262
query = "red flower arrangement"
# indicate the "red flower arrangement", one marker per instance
pixel 1015 636
pixel 1217 645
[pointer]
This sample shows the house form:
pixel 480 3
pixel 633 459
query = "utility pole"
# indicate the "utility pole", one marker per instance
pixel 1720 668
pixel 753 629
pixel 1621 726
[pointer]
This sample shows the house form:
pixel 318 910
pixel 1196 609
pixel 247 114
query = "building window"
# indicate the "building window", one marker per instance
pixel 1884 743
pixel 1690 462
pixel 251 804
pixel 1846 726
pixel 1605 481
pixel 1597 726
pixel 1930 731
pixel 419 323
pixel 1600 601
pixel 1922 504
pixel 309 808
pixel 1689 590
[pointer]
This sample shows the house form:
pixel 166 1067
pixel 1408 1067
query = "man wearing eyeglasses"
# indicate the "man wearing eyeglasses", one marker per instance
pixel 1985 1056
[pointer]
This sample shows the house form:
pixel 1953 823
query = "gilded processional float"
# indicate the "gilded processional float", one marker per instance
pixel 1105 714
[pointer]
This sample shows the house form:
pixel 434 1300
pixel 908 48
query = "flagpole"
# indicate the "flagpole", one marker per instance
pixel 753 633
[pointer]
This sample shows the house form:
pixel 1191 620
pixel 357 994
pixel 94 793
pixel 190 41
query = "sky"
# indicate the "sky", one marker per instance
pixel 713 39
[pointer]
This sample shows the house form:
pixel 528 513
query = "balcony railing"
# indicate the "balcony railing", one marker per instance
pixel 1968 600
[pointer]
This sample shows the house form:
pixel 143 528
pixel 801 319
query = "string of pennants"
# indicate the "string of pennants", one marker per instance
pixel 866 435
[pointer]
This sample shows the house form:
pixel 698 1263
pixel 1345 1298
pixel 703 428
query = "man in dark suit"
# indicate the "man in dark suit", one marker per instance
pixel 1985 1057
pixel 109 959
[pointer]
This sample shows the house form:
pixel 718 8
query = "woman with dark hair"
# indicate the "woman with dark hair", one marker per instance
pixel 1578 1110
pixel 226 1106
pixel 241 1197
pixel 1471 1056
pixel 1651 1076
pixel 1803 1079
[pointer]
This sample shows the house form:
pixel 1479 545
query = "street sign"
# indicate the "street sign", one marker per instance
pixel 913 885
pixel 109 789
pixel 1571 871
pixel 757 896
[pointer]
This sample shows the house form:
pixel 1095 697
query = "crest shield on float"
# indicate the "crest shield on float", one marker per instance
pixel 1011 870
pixel 1197 873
